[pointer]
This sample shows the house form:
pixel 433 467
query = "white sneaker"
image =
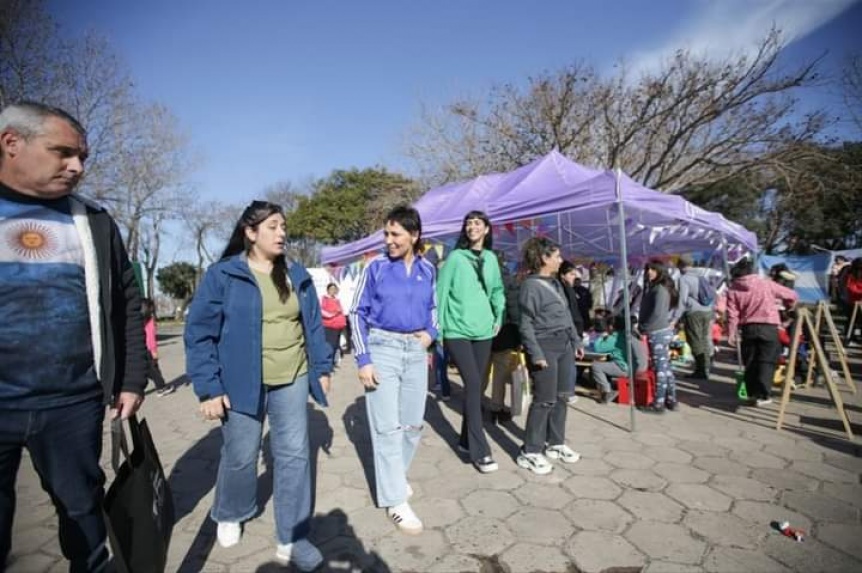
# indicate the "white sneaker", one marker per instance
pixel 536 463
pixel 573 399
pixel 402 516
pixel 228 533
pixel 304 555
pixel 563 453
pixel 409 491
pixel 762 402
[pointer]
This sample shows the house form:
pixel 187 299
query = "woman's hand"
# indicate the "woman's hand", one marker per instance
pixel 215 408
pixel 424 338
pixel 541 364
pixel 368 377
pixel 325 383
pixel 579 353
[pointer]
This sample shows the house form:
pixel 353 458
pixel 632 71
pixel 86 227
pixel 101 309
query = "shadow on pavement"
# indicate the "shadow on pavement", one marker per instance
pixel 434 417
pixel 191 479
pixel 342 549
pixel 194 475
pixel 355 420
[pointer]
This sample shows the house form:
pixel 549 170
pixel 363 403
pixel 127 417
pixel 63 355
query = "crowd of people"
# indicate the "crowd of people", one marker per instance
pixel 259 342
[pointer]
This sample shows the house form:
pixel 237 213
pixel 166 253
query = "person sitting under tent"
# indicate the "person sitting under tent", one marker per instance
pixel 611 339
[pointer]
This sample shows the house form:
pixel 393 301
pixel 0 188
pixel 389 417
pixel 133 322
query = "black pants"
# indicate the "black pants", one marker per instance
pixel 471 358
pixel 760 352
pixel 154 373
pixel 64 444
pixel 333 339
pixel 546 419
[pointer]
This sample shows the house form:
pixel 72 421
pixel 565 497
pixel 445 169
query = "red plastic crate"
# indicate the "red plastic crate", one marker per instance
pixel 644 388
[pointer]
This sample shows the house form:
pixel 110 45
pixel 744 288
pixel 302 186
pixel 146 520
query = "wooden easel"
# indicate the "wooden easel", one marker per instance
pixel 804 320
pixel 824 312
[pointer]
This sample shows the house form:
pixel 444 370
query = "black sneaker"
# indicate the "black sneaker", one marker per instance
pixel 486 465
pixel 608 397
pixel 670 405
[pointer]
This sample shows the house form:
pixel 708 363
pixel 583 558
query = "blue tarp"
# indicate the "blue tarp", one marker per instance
pixel 812 274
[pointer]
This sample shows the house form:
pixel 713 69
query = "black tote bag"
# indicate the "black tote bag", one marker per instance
pixel 139 509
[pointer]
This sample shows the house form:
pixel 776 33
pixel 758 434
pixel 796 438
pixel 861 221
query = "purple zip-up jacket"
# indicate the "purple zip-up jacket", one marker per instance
pixel 388 298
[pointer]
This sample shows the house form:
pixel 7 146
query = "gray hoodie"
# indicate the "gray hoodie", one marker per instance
pixel 544 314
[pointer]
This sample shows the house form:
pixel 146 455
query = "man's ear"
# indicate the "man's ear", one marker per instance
pixel 10 142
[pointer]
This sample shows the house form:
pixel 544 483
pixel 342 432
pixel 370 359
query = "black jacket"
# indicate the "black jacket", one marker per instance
pixel 123 364
pixel 574 307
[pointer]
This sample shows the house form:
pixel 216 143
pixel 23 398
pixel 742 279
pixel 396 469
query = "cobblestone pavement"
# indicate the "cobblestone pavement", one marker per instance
pixel 695 490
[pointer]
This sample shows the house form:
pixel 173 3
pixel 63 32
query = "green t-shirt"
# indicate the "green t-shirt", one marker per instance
pixel 283 342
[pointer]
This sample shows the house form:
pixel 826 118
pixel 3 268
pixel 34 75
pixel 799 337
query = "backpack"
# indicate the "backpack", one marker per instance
pixel 705 292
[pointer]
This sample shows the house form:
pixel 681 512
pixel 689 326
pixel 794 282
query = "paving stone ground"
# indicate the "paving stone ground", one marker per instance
pixel 694 490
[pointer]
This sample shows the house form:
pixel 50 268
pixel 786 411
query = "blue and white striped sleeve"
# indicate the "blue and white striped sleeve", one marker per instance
pixel 359 313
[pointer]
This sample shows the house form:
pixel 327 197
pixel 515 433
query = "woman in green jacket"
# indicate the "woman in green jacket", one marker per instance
pixel 470 306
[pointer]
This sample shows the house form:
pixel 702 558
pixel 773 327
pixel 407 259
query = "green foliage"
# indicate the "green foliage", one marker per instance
pixel 178 280
pixel 348 205
pixel 826 199
pixel 814 201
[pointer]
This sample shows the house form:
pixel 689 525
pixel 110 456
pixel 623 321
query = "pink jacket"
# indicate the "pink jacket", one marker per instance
pixel 150 336
pixel 752 300
pixel 333 316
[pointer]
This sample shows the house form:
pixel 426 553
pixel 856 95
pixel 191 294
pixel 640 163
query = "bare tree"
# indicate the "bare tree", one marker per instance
pixel 210 224
pixel 81 75
pixel 692 122
pixel 151 243
pixel 851 82
pixel 148 173
pixel 284 193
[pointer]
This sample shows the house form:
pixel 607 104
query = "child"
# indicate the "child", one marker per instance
pixel 612 340
pixel 148 309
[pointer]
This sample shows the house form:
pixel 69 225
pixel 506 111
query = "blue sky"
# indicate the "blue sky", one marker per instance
pixel 272 90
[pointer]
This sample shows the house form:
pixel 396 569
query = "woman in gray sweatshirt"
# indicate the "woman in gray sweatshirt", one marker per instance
pixel 551 341
pixel 655 320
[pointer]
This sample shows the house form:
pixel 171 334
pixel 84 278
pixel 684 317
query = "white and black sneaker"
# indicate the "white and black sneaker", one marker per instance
pixel 486 465
pixel 563 453
pixel 404 518
pixel 536 463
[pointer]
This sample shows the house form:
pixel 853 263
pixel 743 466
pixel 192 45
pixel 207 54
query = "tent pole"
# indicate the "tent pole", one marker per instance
pixel 627 312
pixel 724 258
pixel 559 230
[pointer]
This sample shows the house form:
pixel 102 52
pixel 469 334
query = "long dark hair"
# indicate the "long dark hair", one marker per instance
pixel 535 249
pixel 662 278
pixel 487 242
pixel 256 213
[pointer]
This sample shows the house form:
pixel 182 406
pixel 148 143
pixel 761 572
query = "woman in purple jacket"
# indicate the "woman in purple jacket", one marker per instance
pixel 393 323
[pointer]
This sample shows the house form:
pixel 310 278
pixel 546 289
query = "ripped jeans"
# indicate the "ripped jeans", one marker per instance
pixel 396 409
pixel 546 418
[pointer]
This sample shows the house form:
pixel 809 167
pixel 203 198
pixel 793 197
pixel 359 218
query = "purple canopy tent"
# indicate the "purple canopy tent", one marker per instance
pixel 603 215
pixel 576 206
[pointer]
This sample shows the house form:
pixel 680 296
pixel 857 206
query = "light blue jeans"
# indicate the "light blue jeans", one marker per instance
pixel 396 409
pixel 236 486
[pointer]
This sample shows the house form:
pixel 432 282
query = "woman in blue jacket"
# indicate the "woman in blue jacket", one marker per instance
pixel 255 347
